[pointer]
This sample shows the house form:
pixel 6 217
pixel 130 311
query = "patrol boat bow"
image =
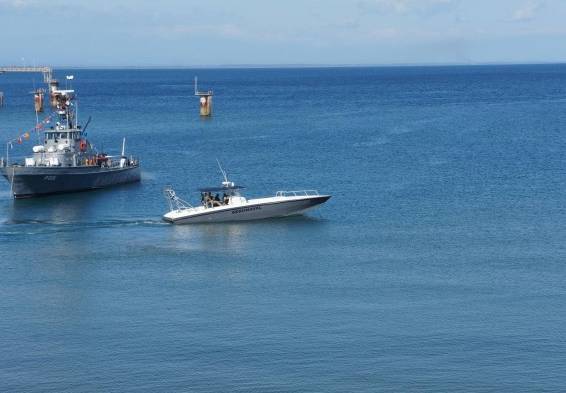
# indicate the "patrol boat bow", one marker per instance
pixel 235 207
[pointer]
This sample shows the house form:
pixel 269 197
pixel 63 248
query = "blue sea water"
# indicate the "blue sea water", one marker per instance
pixel 438 265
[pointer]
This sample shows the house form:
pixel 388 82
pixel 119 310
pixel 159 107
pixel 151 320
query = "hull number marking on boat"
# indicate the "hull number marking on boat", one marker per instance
pixel 50 178
pixel 246 209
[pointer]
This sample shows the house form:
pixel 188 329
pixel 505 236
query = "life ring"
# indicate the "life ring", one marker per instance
pixel 83 145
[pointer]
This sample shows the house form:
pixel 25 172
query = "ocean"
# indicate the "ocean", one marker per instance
pixel 439 264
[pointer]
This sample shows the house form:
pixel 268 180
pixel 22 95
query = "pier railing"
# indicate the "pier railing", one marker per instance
pixel 47 71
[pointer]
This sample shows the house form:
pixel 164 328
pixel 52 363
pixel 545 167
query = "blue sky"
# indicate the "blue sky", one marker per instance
pixel 256 32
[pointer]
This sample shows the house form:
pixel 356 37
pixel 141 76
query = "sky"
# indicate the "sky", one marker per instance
pixel 286 32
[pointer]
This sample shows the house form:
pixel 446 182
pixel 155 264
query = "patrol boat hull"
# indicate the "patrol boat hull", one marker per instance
pixel 27 182
pixel 254 209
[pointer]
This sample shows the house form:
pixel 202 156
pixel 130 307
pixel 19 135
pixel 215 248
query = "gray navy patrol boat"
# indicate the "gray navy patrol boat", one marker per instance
pixel 66 161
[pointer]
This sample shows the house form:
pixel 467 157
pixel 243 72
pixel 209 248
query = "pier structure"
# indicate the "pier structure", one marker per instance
pixel 46 71
pixel 205 100
pixel 39 93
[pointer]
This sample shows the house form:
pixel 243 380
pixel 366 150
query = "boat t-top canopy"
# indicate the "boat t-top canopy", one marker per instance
pixel 64 92
pixel 218 189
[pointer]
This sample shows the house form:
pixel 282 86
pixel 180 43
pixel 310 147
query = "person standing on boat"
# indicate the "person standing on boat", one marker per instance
pixel 216 201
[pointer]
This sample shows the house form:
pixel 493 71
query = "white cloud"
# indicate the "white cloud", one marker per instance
pixel 403 6
pixel 219 30
pixel 17 3
pixel 527 11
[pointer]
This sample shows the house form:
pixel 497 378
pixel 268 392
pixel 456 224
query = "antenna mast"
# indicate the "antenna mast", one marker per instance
pixel 223 172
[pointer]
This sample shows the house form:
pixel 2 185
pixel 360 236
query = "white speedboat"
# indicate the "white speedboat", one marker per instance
pixel 232 206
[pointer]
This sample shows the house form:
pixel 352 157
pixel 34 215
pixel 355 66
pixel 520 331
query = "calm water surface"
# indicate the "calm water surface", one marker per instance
pixel 438 265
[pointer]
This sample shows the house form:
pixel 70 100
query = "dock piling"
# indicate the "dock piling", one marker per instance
pixel 38 100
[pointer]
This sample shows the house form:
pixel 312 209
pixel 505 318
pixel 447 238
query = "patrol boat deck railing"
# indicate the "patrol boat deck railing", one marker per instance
pixel 85 162
pixel 297 193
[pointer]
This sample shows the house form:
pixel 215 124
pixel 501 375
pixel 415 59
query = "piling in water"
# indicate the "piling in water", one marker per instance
pixel 205 100
pixel 38 100
pixel 206 105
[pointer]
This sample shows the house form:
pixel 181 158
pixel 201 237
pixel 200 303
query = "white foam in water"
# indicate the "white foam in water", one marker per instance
pixel 373 142
pixel 148 175
pixel 5 194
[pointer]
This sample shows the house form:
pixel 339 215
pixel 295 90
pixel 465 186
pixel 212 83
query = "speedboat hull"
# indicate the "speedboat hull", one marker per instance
pixel 254 209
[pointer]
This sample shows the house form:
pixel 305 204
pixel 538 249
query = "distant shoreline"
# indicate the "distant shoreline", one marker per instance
pixel 293 66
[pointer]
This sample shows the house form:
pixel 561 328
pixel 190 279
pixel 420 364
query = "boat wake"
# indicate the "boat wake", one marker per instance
pixel 36 227
pixel 148 175
pixel 5 194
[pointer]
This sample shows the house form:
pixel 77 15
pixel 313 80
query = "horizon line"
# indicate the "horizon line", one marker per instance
pixel 302 65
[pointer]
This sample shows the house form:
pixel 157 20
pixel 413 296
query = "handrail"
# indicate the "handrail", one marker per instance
pixel 296 193
pixel 174 201
pixel 109 164
pixel 47 71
